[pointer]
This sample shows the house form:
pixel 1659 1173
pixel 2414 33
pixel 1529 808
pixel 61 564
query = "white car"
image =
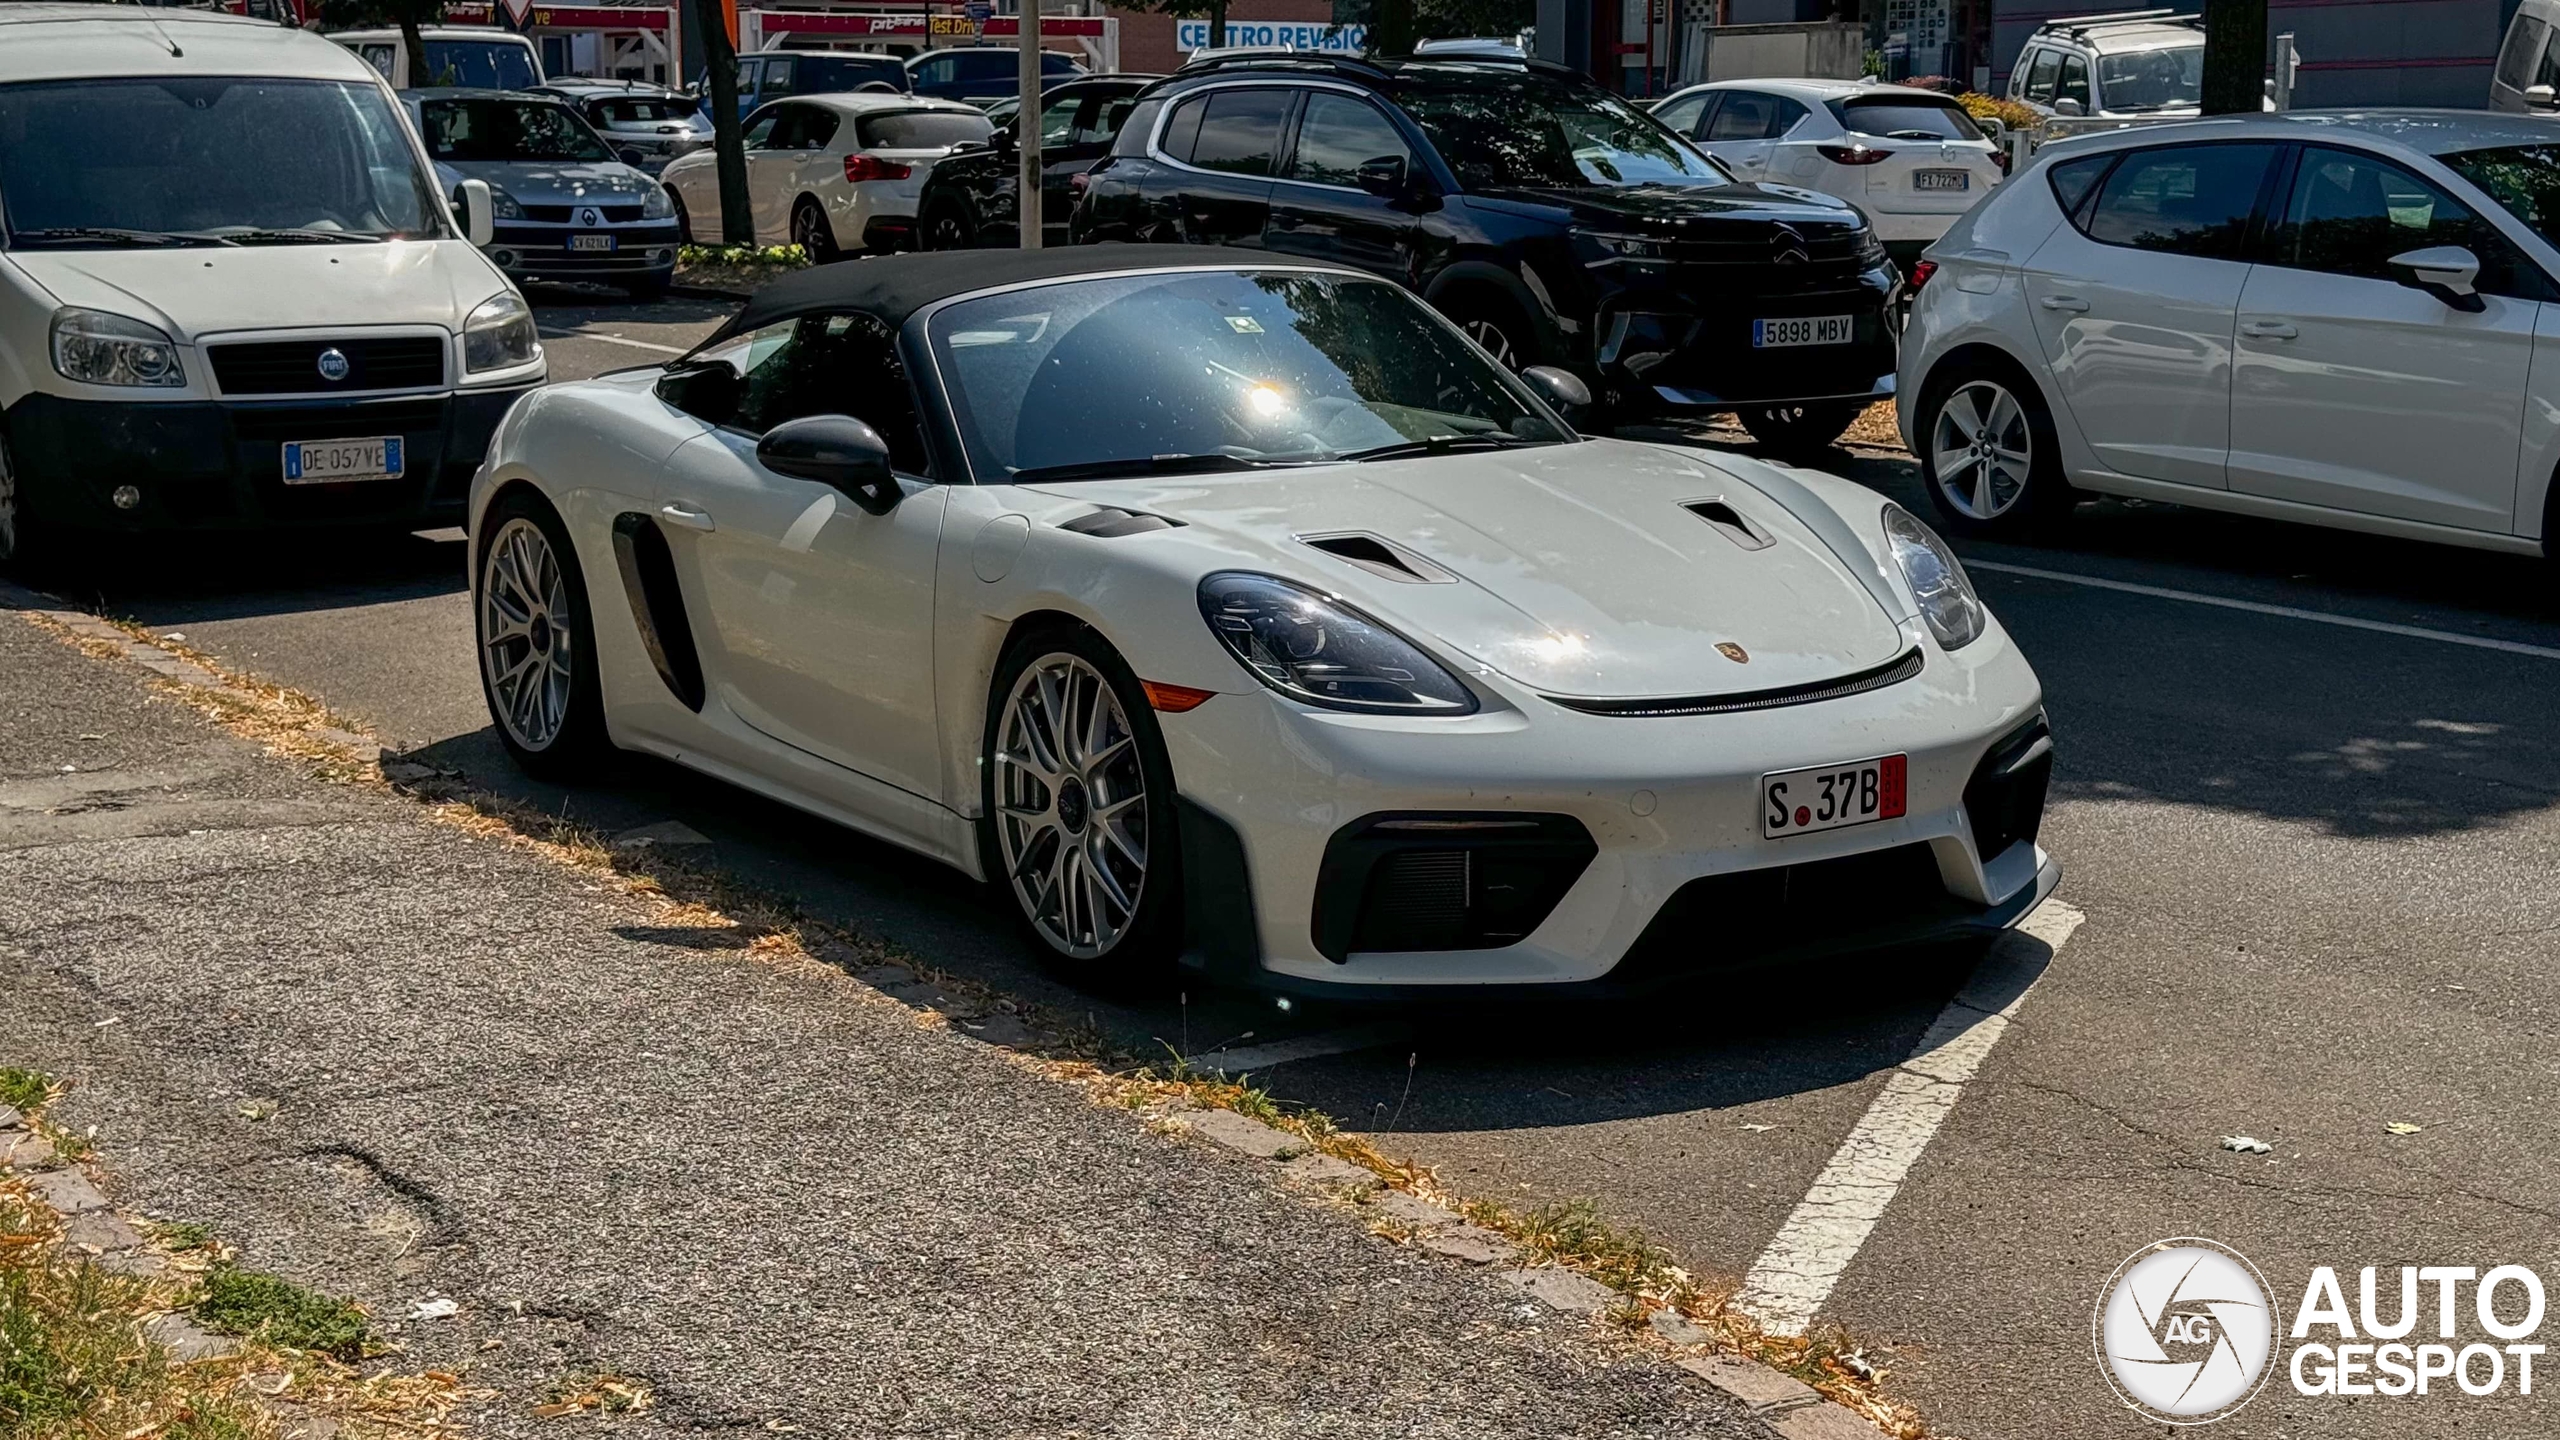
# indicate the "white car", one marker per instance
pixel 478 56
pixel 1912 160
pixel 830 173
pixel 2328 317
pixel 2128 63
pixel 1239 608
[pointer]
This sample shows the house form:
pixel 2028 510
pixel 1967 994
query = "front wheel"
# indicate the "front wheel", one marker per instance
pixel 1079 825
pixel 537 644
pixel 1988 454
pixel 1800 429
pixel 946 227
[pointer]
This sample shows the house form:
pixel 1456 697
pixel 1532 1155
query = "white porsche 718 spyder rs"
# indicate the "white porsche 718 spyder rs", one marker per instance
pixel 1228 608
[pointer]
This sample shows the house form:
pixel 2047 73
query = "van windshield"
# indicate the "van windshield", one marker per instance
pixel 2153 79
pixel 101 163
pixel 465 131
pixel 481 64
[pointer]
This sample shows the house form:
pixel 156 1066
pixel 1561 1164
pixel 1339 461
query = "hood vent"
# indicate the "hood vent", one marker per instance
pixel 1729 523
pixel 1107 523
pixel 1381 558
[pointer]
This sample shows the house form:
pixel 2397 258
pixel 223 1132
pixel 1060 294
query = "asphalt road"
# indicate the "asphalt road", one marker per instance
pixel 2306 813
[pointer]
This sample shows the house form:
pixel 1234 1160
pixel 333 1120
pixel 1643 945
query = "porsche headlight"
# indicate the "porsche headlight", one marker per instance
pixel 96 348
pixel 499 335
pixel 1947 602
pixel 658 206
pixel 1321 651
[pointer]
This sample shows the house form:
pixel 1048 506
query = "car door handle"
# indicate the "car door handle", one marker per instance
pixel 2072 303
pixel 688 516
pixel 2268 330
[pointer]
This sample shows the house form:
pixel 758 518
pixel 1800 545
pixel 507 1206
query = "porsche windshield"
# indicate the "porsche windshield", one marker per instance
pixel 1216 370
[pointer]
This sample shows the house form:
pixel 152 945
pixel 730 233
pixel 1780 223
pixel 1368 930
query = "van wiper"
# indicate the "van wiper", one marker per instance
pixel 1445 444
pixel 297 235
pixel 81 234
pixel 1204 464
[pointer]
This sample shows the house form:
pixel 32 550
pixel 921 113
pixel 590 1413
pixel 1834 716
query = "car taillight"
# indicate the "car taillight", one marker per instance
pixel 1851 154
pixel 858 168
pixel 2001 159
pixel 1921 270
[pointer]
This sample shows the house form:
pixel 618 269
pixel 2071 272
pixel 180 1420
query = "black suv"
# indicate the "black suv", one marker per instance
pixel 1552 220
pixel 968 200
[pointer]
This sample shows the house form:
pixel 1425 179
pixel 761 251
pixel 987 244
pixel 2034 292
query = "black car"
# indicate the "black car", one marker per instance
pixel 1554 221
pixel 981 74
pixel 969 199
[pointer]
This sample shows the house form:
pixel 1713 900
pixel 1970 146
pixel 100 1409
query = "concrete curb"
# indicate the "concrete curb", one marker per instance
pixel 91 1226
pixel 1789 1406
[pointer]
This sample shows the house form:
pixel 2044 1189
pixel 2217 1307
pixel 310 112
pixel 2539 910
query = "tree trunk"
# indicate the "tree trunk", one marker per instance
pixel 1391 28
pixel 2235 56
pixel 720 65
pixel 416 44
pixel 1217 23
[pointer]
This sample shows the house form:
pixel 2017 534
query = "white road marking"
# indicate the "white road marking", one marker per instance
pixel 1305 1047
pixel 1795 1275
pixel 2288 612
pixel 614 340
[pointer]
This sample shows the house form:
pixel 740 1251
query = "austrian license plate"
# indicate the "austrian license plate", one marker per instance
pixel 318 462
pixel 1941 179
pixel 1798 802
pixel 591 242
pixel 1803 330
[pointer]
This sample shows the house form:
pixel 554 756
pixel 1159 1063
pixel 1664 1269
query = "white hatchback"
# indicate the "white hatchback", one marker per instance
pixel 829 173
pixel 2321 316
pixel 1911 159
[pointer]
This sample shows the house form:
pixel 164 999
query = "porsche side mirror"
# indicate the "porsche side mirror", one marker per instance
pixel 2541 97
pixel 2448 272
pixel 1382 177
pixel 707 390
pixel 1559 387
pixel 479 214
pixel 835 450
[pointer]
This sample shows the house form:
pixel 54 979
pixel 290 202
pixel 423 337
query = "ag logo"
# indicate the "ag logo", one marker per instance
pixel 2184 1330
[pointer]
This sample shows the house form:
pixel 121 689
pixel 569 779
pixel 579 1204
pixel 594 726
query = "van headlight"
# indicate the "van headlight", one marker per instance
pixel 499 335
pixel 1947 602
pixel 1319 650
pixel 503 206
pixel 658 206
pixel 96 348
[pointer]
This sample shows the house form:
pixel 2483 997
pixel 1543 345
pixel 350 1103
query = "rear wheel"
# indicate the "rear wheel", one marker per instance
pixel 1988 453
pixel 811 231
pixel 1800 429
pixel 946 226
pixel 1494 322
pixel 537 644
pixel 684 218
pixel 1079 825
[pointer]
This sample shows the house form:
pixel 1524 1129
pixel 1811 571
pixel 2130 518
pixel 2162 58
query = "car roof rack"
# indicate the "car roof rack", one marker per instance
pixel 2083 24
pixel 1235 56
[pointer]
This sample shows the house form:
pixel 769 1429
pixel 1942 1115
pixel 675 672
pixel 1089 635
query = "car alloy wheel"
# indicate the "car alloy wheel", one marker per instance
pixel 528 640
pixel 1071 806
pixel 1496 343
pixel 1981 450
pixel 809 231
pixel 12 526
pixel 947 231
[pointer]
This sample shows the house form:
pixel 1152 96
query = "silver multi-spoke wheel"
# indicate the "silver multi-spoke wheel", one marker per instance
pixel 527 640
pixel 1496 344
pixel 1071 805
pixel 1981 450
pixel 9 527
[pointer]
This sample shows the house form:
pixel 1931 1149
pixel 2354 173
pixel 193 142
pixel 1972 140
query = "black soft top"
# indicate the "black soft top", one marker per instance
pixel 892 287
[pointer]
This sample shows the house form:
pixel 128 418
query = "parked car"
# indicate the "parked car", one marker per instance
pixel 775 75
pixel 203 329
pixel 2327 317
pixel 1554 221
pixel 2527 75
pixel 477 57
pixel 980 75
pixel 2135 62
pixel 635 116
pixel 970 198
pixel 1911 160
pixel 563 207
pixel 1234 606
pixel 832 173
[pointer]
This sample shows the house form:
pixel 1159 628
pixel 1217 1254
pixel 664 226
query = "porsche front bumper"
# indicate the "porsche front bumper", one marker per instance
pixel 1533 845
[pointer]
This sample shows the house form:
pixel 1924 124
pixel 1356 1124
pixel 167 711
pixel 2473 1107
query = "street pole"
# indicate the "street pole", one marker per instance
pixel 1027 122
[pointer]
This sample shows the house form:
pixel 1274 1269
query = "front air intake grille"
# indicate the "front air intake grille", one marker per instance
pixel 2004 801
pixel 1720 923
pixel 1891 673
pixel 293 367
pixel 1409 881
pixel 564 214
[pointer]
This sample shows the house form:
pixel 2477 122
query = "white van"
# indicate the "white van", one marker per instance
pixel 481 58
pixel 231 294
pixel 2527 76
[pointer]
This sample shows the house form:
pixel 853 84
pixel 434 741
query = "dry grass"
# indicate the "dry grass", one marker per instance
pixel 1874 426
pixel 1571 1233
